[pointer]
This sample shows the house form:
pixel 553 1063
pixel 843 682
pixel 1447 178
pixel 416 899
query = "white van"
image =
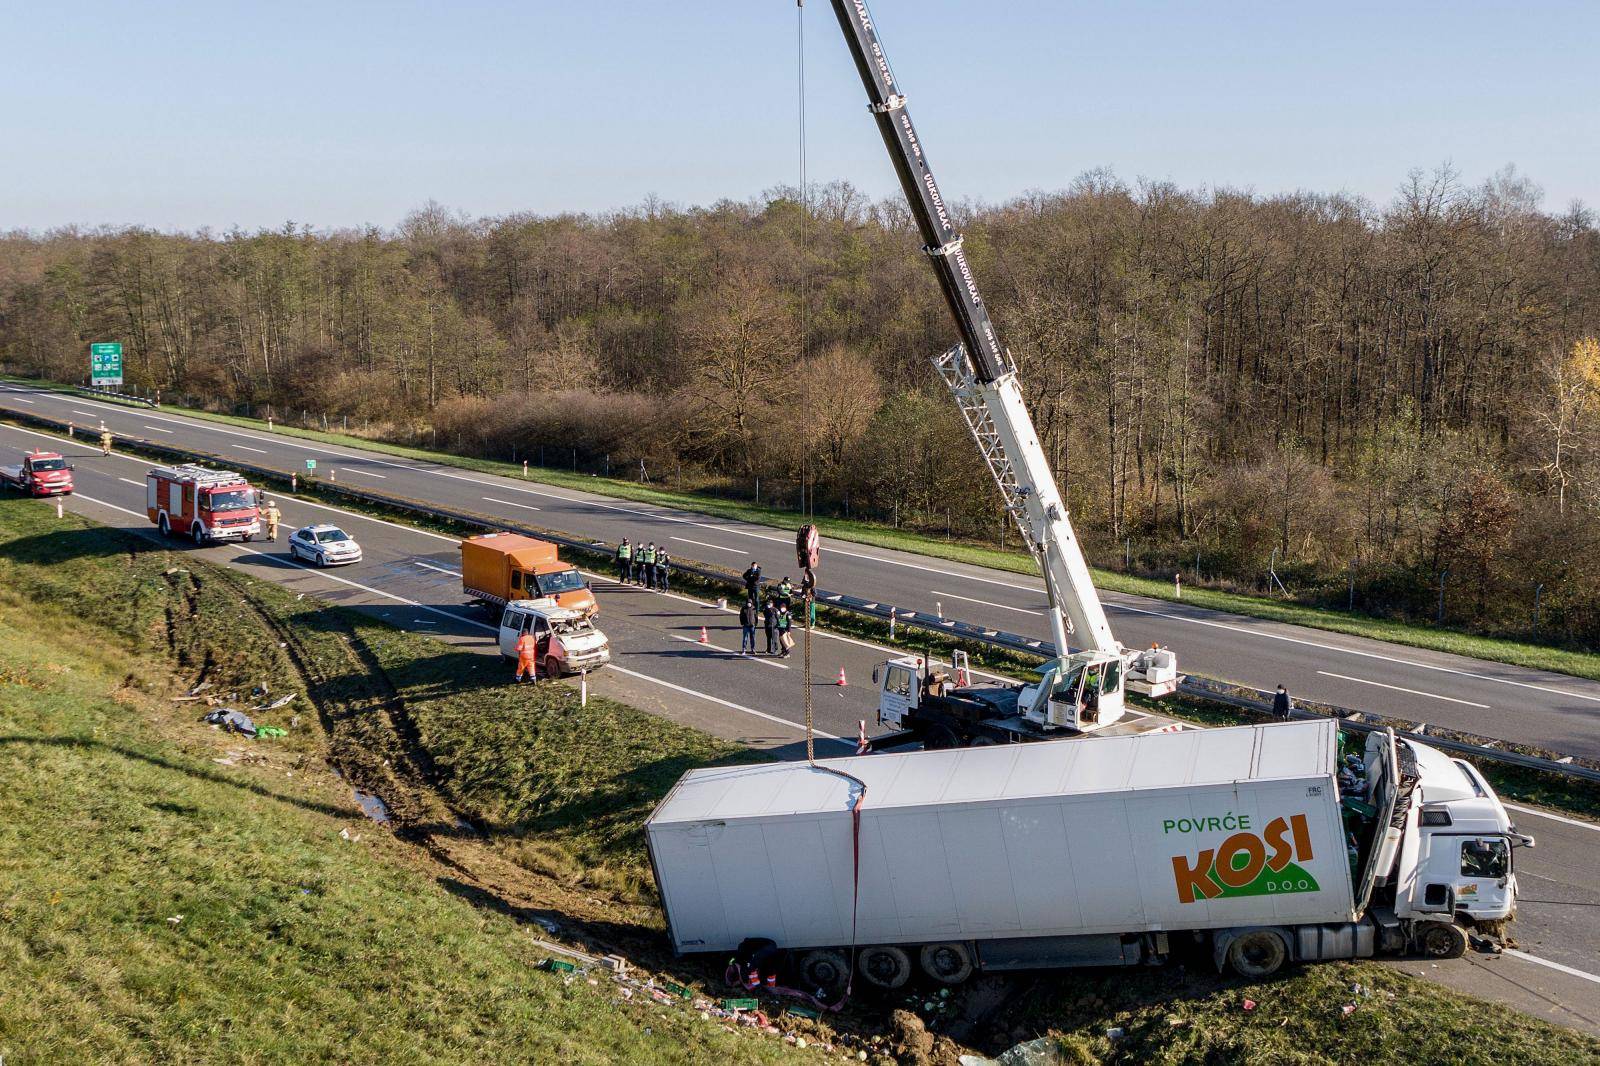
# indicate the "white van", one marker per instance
pixel 568 641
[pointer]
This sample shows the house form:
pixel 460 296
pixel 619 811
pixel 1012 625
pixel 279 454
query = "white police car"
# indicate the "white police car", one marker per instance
pixel 324 546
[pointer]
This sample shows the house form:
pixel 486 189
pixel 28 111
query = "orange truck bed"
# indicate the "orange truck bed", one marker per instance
pixel 499 567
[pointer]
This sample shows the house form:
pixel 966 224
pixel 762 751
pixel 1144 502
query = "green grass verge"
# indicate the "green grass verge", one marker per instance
pixel 297 945
pixel 290 944
pixel 1494 649
pixel 1296 1019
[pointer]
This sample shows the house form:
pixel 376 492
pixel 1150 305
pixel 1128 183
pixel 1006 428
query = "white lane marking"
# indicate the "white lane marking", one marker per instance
pixel 1553 817
pixel 86 414
pixel 158 429
pixel 19 399
pixel 1514 953
pixel 894 653
pixel 297 503
pixel 495 629
pixel 703 544
pixel 247 448
pixel 986 603
pixel 103 503
pixel 212 427
pixel 441 569
pixel 1397 688
pixel 1352 651
pixel 130 481
pixel 725 651
pixel 726 703
pixel 364 473
pixel 508 503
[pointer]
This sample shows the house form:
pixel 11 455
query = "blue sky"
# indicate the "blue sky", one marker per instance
pixel 345 112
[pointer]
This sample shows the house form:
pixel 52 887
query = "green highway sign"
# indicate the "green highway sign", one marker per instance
pixel 311 466
pixel 105 364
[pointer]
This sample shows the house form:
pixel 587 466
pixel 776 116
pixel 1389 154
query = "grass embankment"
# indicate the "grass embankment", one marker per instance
pixel 296 944
pixel 291 943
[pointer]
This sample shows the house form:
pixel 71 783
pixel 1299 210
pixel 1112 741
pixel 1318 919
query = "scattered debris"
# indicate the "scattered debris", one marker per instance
pixel 270 731
pixel 281 701
pixel 175 919
pixel 1249 1004
pixel 234 721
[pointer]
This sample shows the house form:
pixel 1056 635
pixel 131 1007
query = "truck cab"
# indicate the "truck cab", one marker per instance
pixel 568 642
pixel 1456 859
pixel 40 473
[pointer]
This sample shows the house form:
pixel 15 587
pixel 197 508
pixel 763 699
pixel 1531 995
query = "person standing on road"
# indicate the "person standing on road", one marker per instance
pixel 1281 704
pixel 273 517
pixel 752 582
pixel 663 570
pixel 625 561
pixel 785 621
pixel 747 627
pixel 769 621
pixel 527 657
pixel 785 593
pixel 105 440
pixel 647 566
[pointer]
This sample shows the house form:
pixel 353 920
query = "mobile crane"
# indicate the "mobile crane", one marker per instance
pixel 1076 692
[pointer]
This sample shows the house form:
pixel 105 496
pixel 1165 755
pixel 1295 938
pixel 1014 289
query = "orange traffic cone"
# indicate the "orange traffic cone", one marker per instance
pixel 841 682
pixel 704 639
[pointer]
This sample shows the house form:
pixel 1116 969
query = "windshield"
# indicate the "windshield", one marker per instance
pixel 560 581
pixel 332 536
pixel 231 499
pixel 49 464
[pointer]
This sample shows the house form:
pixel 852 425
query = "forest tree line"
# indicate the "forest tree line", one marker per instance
pixel 1376 400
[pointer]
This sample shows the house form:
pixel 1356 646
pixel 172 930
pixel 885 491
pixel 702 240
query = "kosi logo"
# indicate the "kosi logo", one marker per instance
pixel 1246 864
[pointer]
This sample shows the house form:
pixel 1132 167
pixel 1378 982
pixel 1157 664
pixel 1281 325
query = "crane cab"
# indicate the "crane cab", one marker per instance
pixel 1081 692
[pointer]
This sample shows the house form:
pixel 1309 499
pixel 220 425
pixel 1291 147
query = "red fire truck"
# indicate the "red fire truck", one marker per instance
pixel 208 505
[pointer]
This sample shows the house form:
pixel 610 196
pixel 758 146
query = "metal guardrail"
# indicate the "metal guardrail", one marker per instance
pixel 1194 686
pixel 112 394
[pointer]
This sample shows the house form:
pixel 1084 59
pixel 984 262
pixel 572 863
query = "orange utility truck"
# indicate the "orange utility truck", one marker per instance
pixel 497 568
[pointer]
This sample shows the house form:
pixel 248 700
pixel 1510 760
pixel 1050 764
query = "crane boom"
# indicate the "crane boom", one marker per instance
pixel 981 375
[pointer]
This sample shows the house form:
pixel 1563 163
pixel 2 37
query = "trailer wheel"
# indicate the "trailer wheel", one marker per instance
pixel 164 525
pixel 1442 940
pixel 825 971
pixel 948 963
pixel 1257 953
pixel 938 738
pixel 886 966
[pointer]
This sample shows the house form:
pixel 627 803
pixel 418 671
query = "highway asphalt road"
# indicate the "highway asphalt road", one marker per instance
pixel 1553 711
pixel 409 578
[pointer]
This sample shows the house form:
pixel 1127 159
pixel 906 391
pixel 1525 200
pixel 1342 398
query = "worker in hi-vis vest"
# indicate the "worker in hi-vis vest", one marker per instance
pixel 527 657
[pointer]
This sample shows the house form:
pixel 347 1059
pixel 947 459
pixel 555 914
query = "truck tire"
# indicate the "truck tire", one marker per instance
pixel 949 963
pixel 1257 953
pixel 198 532
pixel 1442 940
pixel 940 737
pixel 824 971
pixel 983 741
pixel 885 966
pixel 164 525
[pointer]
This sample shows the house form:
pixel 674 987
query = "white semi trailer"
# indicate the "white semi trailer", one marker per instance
pixel 1100 851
